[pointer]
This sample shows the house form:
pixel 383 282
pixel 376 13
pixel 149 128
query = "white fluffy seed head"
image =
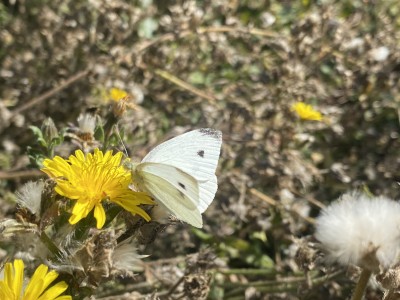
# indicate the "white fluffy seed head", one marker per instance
pixel 361 231
pixel 126 259
pixel 30 196
pixel 87 123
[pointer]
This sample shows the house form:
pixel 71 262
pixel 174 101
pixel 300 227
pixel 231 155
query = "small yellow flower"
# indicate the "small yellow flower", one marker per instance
pixel 306 111
pixel 93 178
pixel 117 94
pixel 11 287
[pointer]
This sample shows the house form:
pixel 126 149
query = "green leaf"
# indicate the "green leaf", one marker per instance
pixel 99 133
pixel 196 78
pixel 39 135
pixel 204 236
pixel 147 27
pixel 259 235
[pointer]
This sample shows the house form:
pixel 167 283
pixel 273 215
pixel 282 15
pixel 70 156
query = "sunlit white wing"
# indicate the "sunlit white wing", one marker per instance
pixel 178 191
pixel 184 183
pixel 207 190
pixel 195 152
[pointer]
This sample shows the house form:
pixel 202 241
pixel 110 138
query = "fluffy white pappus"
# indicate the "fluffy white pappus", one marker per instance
pixel 87 123
pixel 30 196
pixel 360 230
pixel 126 259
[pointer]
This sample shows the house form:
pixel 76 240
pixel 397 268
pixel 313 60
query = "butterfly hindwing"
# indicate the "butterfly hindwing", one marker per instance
pixel 178 191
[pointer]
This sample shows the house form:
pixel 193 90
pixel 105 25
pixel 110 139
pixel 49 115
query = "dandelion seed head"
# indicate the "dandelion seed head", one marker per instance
pixel 126 259
pixel 30 196
pixel 360 230
pixel 87 124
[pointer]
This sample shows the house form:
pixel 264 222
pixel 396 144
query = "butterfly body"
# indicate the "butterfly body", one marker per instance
pixel 180 173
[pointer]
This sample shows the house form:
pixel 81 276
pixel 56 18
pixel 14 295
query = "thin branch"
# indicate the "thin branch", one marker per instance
pixel 20 174
pixel 203 30
pixel 50 93
pixel 168 76
pixel 312 200
pixel 172 289
pixel 227 29
pixel 273 202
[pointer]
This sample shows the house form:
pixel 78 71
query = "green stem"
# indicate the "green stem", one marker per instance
pixel 50 245
pixel 277 286
pixel 246 271
pixel 361 284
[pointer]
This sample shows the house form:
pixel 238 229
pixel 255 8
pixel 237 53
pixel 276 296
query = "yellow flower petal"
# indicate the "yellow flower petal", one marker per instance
pixel 90 179
pixel 36 285
pixel 117 94
pixel 18 275
pixel 5 291
pixel 306 111
pixel 100 216
pixel 11 288
pixel 55 291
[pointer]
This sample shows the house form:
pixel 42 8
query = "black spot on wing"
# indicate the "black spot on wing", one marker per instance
pixel 211 132
pixel 182 185
pixel 200 153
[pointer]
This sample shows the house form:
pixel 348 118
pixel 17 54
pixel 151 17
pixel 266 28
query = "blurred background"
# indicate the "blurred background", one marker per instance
pixel 236 66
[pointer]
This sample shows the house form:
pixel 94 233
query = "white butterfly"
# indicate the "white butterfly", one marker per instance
pixel 180 173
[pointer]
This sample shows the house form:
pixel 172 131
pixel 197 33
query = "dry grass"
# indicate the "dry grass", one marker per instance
pixel 219 64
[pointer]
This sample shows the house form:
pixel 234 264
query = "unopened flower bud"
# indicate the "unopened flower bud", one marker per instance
pixel 49 130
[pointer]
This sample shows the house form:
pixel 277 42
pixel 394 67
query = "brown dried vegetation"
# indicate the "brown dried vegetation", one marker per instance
pixel 237 66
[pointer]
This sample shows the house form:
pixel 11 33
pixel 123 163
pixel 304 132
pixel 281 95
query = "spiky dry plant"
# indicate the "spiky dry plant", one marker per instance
pixel 235 65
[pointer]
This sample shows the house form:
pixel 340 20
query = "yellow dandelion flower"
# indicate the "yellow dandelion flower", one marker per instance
pixel 117 94
pixel 306 111
pixel 93 178
pixel 12 287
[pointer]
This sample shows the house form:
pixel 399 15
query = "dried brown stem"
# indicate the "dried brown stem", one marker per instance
pixel 166 75
pixel 273 202
pixel 20 174
pixel 50 93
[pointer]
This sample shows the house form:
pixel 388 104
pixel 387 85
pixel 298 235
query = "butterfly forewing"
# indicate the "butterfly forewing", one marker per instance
pixel 195 152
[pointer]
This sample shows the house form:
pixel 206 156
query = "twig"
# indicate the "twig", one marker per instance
pixel 20 174
pixel 273 202
pixel 246 271
pixel 203 30
pixel 277 286
pixel 310 199
pixel 264 197
pixel 113 294
pixel 50 93
pixel 227 29
pixel 174 260
pixel 172 289
pixel 166 75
